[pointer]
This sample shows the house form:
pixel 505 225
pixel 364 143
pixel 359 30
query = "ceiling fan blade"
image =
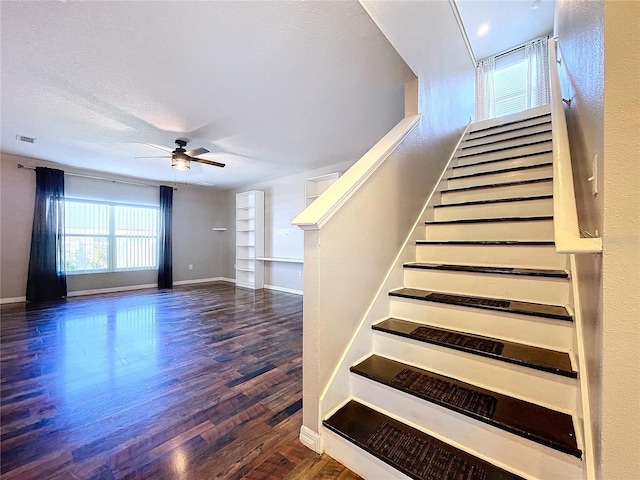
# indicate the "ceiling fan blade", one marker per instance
pixel 168 150
pixel 197 151
pixel 165 156
pixel 207 162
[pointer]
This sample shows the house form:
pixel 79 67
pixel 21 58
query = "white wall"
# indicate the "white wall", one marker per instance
pixel 580 30
pixel 284 199
pixel 601 74
pixel 196 211
pixel 347 259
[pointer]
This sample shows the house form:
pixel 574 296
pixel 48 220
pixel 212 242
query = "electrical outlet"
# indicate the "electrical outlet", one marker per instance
pixel 190 267
pixel 299 273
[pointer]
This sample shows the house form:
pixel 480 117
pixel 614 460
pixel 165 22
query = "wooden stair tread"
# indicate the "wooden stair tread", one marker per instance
pixel 534 422
pixel 531 243
pixel 490 220
pixel 358 424
pixel 494 145
pixel 557 312
pixel 503 170
pixel 497 200
pixel 529 356
pixel 502 159
pixel 501 125
pixel 528 143
pixel 531 272
pixel 497 185
pixel 506 134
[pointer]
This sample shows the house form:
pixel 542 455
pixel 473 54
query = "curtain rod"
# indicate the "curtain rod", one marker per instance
pixel 513 49
pixel 96 177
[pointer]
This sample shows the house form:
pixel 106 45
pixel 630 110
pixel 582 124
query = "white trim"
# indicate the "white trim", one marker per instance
pixel 310 439
pixel 80 293
pixel 12 300
pixel 280 260
pixel 565 215
pixel 583 377
pixel 316 215
pixel 396 263
pixel 283 289
pixel 204 280
pixel 463 31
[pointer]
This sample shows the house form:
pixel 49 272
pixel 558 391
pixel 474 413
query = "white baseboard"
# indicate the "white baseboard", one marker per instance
pixel 310 439
pixel 12 300
pixel 204 280
pixel 283 289
pixel 80 293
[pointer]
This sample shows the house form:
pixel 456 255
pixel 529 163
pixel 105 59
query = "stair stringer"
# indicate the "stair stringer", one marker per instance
pixel 338 388
pixel 583 410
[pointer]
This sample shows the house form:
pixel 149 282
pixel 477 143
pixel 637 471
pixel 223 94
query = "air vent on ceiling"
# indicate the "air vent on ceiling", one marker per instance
pixel 22 138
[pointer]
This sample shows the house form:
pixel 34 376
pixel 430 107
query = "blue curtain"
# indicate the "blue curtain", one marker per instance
pixel 47 279
pixel 165 268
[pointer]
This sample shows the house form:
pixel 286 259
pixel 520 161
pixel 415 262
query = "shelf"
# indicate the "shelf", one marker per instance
pixel 314 187
pixel 219 229
pixel 249 230
pixel 280 260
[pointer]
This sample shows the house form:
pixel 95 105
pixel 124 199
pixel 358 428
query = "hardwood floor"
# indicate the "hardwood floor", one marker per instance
pixel 201 382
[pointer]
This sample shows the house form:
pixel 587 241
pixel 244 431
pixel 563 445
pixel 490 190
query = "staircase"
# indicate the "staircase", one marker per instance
pixel 472 376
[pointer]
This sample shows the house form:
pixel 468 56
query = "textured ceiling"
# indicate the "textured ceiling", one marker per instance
pixel 270 88
pixel 510 23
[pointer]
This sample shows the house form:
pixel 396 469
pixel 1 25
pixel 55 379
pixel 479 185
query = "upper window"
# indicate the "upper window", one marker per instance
pixel 513 81
pixel 104 237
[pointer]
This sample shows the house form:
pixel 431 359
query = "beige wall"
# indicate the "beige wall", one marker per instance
pixel 346 261
pixel 621 240
pixel 601 74
pixel 196 211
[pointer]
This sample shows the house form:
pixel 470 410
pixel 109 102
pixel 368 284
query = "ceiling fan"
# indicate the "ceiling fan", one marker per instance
pixel 181 159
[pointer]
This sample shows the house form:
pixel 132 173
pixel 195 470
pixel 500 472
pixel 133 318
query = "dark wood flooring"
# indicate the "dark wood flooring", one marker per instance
pixel 201 382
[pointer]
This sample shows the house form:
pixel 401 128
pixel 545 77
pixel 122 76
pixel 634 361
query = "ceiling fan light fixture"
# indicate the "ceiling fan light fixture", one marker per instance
pixel 180 162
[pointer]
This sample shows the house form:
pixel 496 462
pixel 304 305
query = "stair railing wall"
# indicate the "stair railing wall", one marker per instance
pixel 567 239
pixel 565 215
pixel 359 346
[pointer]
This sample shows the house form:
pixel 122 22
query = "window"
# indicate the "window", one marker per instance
pixel 514 81
pixel 105 237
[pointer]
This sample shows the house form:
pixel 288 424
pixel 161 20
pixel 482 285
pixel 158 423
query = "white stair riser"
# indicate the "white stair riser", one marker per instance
pixel 549 291
pixel 357 460
pixel 543 388
pixel 500 165
pixel 540 332
pixel 478 438
pixel 496 137
pixel 544 171
pixel 525 208
pixel 510 120
pixel 529 230
pixel 498 192
pixel 477 133
pixel 491 144
pixel 526 256
pixel 510 153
